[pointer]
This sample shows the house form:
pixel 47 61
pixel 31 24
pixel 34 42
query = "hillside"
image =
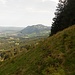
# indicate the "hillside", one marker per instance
pixel 35 30
pixel 52 56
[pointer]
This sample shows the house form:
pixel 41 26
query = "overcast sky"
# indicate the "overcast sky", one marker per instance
pixel 26 12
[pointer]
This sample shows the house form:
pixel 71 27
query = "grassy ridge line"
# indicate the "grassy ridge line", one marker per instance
pixel 53 56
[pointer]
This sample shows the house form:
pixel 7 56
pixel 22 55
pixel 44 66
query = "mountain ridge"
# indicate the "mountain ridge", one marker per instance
pixel 3 29
pixel 35 30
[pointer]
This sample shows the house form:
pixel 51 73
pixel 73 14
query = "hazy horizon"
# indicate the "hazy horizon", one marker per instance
pixel 23 26
pixel 22 13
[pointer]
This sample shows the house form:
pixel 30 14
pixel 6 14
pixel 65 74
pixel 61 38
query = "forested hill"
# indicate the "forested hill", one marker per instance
pixel 35 30
pixel 52 56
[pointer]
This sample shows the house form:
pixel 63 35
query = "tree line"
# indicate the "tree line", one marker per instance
pixel 64 16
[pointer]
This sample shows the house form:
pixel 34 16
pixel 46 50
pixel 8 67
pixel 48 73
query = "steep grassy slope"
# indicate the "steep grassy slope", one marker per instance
pixel 52 56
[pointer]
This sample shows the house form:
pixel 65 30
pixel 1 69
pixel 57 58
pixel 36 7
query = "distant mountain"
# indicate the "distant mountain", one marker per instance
pixel 9 31
pixel 6 29
pixel 35 30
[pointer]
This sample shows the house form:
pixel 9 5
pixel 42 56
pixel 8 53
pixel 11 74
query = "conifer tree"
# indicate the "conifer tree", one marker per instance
pixel 64 16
